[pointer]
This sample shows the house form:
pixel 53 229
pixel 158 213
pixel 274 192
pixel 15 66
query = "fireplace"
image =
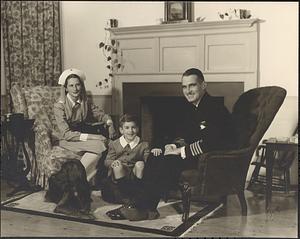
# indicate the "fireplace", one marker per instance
pixel 159 105
pixel 154 58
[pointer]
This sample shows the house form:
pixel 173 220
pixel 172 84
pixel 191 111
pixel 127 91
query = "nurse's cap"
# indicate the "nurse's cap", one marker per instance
pixel 66 73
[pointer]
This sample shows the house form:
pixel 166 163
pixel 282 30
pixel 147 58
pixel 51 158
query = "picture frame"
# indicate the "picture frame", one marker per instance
pixel 178 11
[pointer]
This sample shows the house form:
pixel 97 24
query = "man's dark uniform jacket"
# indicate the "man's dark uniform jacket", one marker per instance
pixel 205 128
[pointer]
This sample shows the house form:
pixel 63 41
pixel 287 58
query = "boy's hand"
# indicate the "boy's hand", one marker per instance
pixel 156 151
pixel 115 164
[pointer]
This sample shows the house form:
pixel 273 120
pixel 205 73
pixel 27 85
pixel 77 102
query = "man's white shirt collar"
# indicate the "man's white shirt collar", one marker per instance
pixel 132 144
pixel 197 103
pixel 72 101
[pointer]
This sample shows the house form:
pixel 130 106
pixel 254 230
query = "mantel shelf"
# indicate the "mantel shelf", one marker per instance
pixel 184 26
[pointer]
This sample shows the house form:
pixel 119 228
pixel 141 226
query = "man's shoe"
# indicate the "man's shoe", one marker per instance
pixel 134 214
pixel 116 214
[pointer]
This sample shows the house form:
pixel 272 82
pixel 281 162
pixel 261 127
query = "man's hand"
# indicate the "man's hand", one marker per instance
pixel 156 151
pixel 172 149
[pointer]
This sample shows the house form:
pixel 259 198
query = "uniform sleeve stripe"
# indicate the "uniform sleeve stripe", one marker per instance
pixel 199 148
pixel 195 148
pixel 192 149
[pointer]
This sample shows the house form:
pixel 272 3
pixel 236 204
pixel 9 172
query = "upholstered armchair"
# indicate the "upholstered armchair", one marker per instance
pixel 221 173
pixel 45 157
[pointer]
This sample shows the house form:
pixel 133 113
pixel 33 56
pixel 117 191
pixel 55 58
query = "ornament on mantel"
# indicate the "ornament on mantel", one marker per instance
pixel 235 14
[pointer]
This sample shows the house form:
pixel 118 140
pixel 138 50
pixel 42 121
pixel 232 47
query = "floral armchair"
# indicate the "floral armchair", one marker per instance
pixel 45 157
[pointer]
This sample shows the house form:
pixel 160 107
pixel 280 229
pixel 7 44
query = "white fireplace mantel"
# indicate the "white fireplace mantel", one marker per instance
pixel 225 51
pixel 193 27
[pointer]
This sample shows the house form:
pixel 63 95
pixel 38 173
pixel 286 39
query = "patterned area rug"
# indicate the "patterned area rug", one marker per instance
pixel 169 222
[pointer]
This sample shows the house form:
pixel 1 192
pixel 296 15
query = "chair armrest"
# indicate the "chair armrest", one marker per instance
pixel 226 154
pixel 224 171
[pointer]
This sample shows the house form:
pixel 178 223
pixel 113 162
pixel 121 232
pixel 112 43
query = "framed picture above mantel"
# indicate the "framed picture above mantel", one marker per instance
pixel 178 11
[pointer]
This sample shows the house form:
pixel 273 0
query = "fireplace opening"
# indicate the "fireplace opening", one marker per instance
pixel 159 117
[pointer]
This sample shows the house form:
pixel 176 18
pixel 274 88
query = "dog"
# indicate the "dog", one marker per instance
pixel 70 190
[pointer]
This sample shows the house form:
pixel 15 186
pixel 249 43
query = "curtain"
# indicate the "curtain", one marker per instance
pixel 31 40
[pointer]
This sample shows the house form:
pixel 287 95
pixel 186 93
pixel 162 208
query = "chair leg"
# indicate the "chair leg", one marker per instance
pixel 254 176
pixel 186 200
pixel 243 203
pixel 287 180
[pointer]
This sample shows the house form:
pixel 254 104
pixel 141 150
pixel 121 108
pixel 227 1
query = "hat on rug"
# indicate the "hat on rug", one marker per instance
pixel 66 73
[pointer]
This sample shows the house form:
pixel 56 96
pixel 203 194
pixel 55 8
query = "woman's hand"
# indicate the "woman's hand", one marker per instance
pixel 112 132
pixel 156 151
pixel 97 137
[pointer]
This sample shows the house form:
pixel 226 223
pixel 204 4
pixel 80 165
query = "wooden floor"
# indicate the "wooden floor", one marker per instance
pixel 281 222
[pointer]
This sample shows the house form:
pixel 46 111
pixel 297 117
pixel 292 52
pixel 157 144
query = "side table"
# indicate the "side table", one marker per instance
pixel 271 147
pixel 16 126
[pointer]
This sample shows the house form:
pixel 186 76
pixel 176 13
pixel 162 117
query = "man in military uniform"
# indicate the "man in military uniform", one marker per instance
pixel 206 127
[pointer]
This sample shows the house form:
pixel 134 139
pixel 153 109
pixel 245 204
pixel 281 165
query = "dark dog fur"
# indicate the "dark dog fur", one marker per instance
pixel 69 189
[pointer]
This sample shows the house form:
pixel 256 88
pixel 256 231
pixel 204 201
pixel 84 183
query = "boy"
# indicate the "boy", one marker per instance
pixel 125 161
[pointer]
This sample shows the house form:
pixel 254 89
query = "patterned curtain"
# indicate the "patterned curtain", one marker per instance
pixel 31 40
